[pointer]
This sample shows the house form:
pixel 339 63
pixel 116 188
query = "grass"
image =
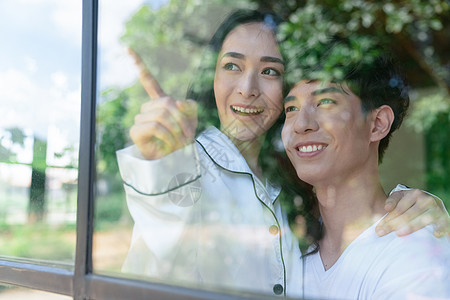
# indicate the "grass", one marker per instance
pixel 38 241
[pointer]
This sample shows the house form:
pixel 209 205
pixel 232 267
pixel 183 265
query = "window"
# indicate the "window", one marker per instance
pixel 47 161
pixel 69 95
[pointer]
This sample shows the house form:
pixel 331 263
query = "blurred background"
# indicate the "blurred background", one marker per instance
pixel 40 69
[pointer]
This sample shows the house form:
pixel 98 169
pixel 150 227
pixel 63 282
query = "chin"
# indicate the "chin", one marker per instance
pixel 305 176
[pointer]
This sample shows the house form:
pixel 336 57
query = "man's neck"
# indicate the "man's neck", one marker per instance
pixel 347 207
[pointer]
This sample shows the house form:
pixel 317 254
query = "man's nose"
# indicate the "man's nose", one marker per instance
pixel 305 120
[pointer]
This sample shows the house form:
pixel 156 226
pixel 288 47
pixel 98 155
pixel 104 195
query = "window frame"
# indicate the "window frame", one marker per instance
pixel 82 283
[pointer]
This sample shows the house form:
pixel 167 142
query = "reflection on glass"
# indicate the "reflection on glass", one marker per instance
pixel 9 292
pixel 170 37
pixel 39 130
pixel 120 96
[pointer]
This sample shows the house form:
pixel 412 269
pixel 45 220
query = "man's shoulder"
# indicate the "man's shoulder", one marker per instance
pixel 420 249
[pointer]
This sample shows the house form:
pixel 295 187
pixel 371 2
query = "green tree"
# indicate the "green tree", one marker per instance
pixel 36 205
pixel 171 41
pixel 10 139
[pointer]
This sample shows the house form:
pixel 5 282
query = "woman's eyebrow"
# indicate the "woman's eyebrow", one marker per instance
pixel 272 59
pixel 263 58
pixel 234 54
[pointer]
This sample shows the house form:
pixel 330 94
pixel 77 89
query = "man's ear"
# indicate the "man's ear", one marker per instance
pixel 382 119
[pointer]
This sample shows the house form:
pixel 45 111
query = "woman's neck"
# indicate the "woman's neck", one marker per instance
pixel 250 150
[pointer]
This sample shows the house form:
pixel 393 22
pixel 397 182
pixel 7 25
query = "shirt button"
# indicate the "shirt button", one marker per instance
pixel 278 289
pixel 273 229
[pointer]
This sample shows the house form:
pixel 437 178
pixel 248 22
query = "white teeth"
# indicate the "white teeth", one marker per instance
pixel 308 149
pixel 247 110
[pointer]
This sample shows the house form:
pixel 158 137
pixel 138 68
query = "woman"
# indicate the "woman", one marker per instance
pixel 205 212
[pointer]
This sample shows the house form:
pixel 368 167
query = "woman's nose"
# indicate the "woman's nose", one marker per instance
pixel 248 85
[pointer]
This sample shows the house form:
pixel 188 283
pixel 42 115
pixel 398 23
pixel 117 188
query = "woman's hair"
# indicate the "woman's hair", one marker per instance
pixel 273 159
pixel 201 88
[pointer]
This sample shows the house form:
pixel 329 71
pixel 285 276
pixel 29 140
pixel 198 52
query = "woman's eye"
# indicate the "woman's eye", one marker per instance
pixel 271 72
pixel 290 108
pixel 231 67
pixel 326 101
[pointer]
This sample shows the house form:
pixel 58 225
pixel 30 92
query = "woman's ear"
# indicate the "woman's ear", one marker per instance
pixel 382 119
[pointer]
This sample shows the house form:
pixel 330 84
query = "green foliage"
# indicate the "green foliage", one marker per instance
pixel 10 140
pixel 400 25
pixel 38 241
pixel 438 153
pixel 431 117
pixel 428 110
pixel 109 209
pixel 111 129
pixel 171 40
pixel 415 31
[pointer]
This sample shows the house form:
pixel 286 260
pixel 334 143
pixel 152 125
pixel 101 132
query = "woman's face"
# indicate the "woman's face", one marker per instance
pixel 248 82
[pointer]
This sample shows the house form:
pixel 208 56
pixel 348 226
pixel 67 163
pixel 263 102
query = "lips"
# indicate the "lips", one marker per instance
pixel 246 111
pixel 310 149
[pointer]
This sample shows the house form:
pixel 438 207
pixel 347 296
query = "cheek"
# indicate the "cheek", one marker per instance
pixel 275 106
pixel 219 91
pixel 335 123
pixel 274 94
pixel 285 134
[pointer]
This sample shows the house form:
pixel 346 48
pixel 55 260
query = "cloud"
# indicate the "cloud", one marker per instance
pixel 31 64
pixel 67 18
pixel 30 105
pixel 115 65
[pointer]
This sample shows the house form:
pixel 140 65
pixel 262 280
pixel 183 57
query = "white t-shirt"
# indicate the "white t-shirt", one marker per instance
pixel 416 266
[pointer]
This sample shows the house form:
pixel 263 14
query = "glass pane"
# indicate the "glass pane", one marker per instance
pixel 39 132
pixel 203 215
pixel 12 292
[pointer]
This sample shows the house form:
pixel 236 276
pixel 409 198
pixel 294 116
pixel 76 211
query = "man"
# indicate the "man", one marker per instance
pixel 335 134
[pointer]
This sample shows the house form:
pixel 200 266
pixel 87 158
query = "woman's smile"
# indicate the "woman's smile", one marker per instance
pixel 248 82
pixel 246 110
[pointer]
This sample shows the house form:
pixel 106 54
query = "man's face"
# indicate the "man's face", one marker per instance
pixel 326 134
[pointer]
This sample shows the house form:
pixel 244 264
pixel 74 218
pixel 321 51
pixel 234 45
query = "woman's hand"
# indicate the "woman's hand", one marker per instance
pixel 163 125
pixel 411 210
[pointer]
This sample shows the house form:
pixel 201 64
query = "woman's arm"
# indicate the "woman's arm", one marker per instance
pixel 412 209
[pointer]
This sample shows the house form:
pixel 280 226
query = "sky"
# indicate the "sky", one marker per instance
pixel 40 65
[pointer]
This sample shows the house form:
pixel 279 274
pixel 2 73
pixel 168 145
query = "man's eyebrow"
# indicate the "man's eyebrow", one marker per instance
pixel 234 54
pixel 289 98
pixel 332 89
pixel 272 59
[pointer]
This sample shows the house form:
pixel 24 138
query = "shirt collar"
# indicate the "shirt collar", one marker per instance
pixel 225 154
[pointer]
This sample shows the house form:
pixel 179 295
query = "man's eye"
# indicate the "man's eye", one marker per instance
pixel 231 67
pixel 271 72
pixel 326 101
pixel 290 108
